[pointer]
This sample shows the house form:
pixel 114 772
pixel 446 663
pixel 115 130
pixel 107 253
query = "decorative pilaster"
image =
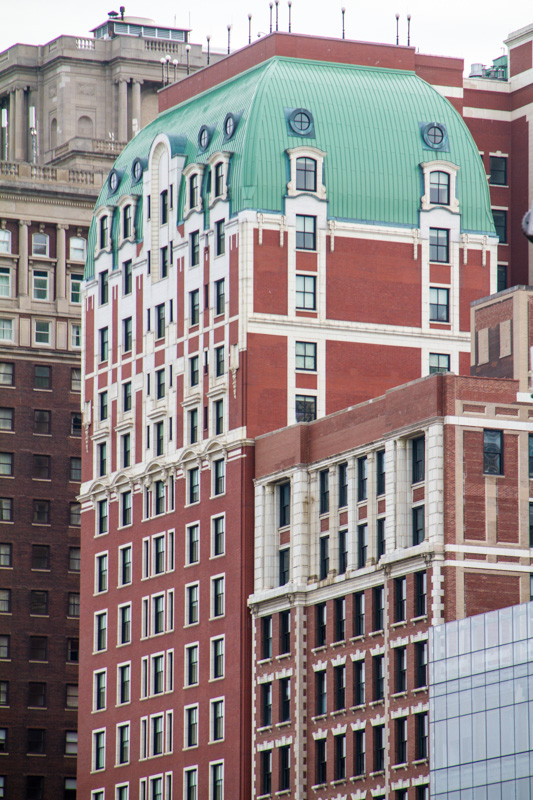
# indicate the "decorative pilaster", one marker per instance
pixel 61 268
pixel 20 132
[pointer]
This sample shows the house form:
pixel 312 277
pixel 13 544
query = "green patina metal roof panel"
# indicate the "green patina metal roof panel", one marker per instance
pixel 366 120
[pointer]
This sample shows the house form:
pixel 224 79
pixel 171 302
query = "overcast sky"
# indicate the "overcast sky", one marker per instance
pixel 470 29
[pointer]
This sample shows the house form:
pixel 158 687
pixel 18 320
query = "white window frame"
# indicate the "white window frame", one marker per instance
pixel 294 154
pixel 189 586
pixel 82 247
pixel 7 325
pixel 75 335
pixel 186 709
pixel 120 667
pixel 187 174
pixel 213 535
pixel 6 272
pixel 96 733
pixel 212 641
pixel 214 579
pixel 440 166
pixel 191 646
pixel 212 703
pixel 95 692
pixel 221 157
pixel 43 332
pixel 5 239
pixel 45 242
pixel 120 642
pixel 119 726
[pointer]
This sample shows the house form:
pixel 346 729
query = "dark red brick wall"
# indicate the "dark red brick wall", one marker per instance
pixel 270 274
pixel 520 58
pixel 485 591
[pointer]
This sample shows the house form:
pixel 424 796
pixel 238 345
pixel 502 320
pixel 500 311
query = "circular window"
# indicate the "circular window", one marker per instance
pixel 137 170
pixel 229 126
pixel 301 121
pixel 434 135
pixel 113 181
pixel 204 137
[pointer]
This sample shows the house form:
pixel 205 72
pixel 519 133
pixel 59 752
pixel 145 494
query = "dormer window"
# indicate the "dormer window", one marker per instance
pixel 126 222
pixel 219 179
pixel 218 185
pixel 439 188
pixel 192 177
pixel 193 191
pixel 306 174
pixel 104 232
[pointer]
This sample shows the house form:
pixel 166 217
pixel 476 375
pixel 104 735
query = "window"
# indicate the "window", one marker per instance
pixel 323 566
pixel 104 229
pixel 284 768
pixel 401 740
pixel 36 740
pixel 359 752
pixel 379 607
pixel 41 466
pixel 5 646
pixel 74 559
pixel 5 601
pixel 500 223
pixel 193 191
pixel 98 750
pixel 191 726
pixel 194 247
pixel 71 743
pixel 359 682
pixel 217 720
pixel 439 190
pixel 362 479
pixel 194 307
pixel 41 512
pixel 266 638
pixel 99 690
pixel 75 514
pixel 380 472
pixel 306 292
pixel 339 675
pixel 5 241
pixel 321 629
pixel 343 552
pixel 400 607
pixel 421 660
pixel 124 624
pixel 362 545
pixel 6 330
pixel 492 452
pixel 502 281
pixel 73 604
pixel 104 344
pixel 217 597
pixel 6 464
pixel 420 594
pixel 192 604
pixel 6 509
pixel 379 748
pixel 305 408
pixel 359 613
pixel 218 542
pixel 220 297
pixel 439 304
pixel 123 683
pixel 160 320
pixel 75 335
pixel 422 736
pixel 37 695
pixel 378 666
pixel 217 781
pixel 75 379
pixel 219 361
pixel 6 554
pixel 418 459
pixel 194 485
pixel 343 485
pixel 40 242
pixel 321 692
pixel 193 371
pixel 40 556
pixel 217 657
pixel 124 568
pixel 127 334
pixel 73 650
pixel 218 414
pixel 42 377
pixel 324 491
pixel 102 459
pixel 305 232
pixel 78 248
pixel 438 362
pixel 101 574
pixel 7 373
pixel 190 783
pixel 284 566
pixel 100 631
pixel 42 332
pixel 41 284
pixel 381 541
pixel 284 632
pixel 5 281
pixel 75 288
pixel 498 170
pixel 220 238
pixel 418 525
pixel 284 496
pixel 401 668
pixel 219 179
pixel 306 169
pixel 339 606
pixel 163 197
pixel 4 695
pixel 340 756
pixel 266 772
pixel 126 396
pixel 439 247
pixel 219 476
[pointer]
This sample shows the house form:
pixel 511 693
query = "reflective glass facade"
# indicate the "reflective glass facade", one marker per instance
pixel 481 706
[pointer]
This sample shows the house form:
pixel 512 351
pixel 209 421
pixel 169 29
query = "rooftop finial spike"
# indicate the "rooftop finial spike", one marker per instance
pixel 408 30
pixel 397 30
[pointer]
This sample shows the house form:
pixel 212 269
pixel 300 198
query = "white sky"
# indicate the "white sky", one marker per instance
pixel 470 29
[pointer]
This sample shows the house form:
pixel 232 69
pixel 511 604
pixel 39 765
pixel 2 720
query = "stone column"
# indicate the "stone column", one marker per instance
pixel 11 126
pixel 23 258
pixel 61 266
pixel 136 107
pixel 20 128
pixel 123 110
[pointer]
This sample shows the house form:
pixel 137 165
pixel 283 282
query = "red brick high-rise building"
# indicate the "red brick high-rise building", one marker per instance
pixel 306 229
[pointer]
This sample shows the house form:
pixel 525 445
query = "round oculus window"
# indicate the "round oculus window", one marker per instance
pixel 434 134
pixel 301 121
pixel 137 170
pixel 229 126
pixel 113 181
pixel 204 137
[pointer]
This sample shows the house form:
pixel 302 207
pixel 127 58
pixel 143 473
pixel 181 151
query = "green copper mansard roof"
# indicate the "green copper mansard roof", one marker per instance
pixel 367 120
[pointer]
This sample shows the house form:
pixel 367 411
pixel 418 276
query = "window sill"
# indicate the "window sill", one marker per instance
pixel 339 712
pixel 319 718
pixel 377 773
pixel 285 724
pixel 400 624
pixel 419 619
pixel 264 729
pixel 321 649
pixel 419 762
pixel 283 793
pixel 338 782
pixel 374 703
pixel 358 708
pixel 318 787
pixel 283 656
pixel 357 778
pixel 263 661
pixel 340 643
pixel 398 695
pixel 357 638
pixel 420 689
pixel 376 633
pixel 397 767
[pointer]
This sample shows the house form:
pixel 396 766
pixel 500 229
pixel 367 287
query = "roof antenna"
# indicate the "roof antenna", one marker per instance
pixel 229 34
pixel 122 11
pixel 289 3
pixel 408 30
pixel 271 7
pixel 397 30
pixel 249 29
pixel 343 12
pixel 277 9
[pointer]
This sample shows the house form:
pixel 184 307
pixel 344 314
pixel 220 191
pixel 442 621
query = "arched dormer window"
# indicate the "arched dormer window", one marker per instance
pixel 219 164
pixel 192 175
pixel 126 207
pixel 440 181
pixel 103 228
pixel 307 172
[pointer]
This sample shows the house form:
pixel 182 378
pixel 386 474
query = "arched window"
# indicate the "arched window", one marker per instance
pixel 53 134
pixel 5 241
pixel 40 243
pixel 77 248
pixel 439 188
pixel 306 174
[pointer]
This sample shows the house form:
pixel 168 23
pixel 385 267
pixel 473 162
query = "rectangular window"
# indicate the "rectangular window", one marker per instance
pixel 6 509
pixel 420 594
pixel 193 371
pixel 219 361
pixel 124 574
pixel 321 692
pixel 284 496
pixel 362 545
pixel 502 281
pixel 266 704
pixel 128 275
pixel 123 743
pixel 124 624
pixel 5 281
pixel 194 307
pixel 41 512
pixel 284 632
pixel 323 566
pixel 305 408
pixel 194 485
pixel 6 464
pixel 193 425
pixel 321 629
pixel 73 651
pixel 5 646
pixel 5 601
pixel 418 525
pixel 104 287
pixel 220 243
pixel 103 404
pixel 306 356
pixel 439 304
pixel 160 321
pixel 439 245
pixel 359 614
pixel 362 479
pixel 343 552
pixel 220 297
pixel 284 566
pixel 378 667
pixel 7 373
pixel 191 726
pixel 193 544
pixel 37 695
pixel 340 756
pixel 401 668
pixel 359 682
pixel 339 606
pixel 123 683
pixel 418 459
pixel 217 720
pixel 401 740
pixel 194 247
pixel 42 332
pixel 217 657
pixel 284 768
pixel 378 593
pixel 306 292
pixel 381 541
pixel 126 396
pixel 339 676
pixel 163 197
pixel 40 556
pixel 101 573
pixel 6 554
pixel 438 362
pixel 218 415
pixel 217 597
pixel 500 223
pixel 217 782
pixel 75 336
pixel 41 285
pixel 100 631
pixel 219 476
pixel 266 638
pixel 422 736
pixel 192 605
pixel 266 772
pixel 7 416
pixel 126 508
pixel 219 179
pixel 104 222
pixel 380 472
pixel 104 344
pixel 73 604
pixel 359 752
pixel 343 485
pixel 324 491
pixel 498 170
pixel 102 516
pixel 218 537
pixel 127 334
pixel 421 661
pixel 305 232
pixel 492 452
pixel 400 592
